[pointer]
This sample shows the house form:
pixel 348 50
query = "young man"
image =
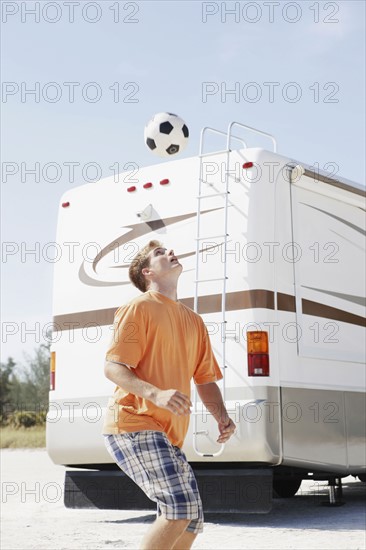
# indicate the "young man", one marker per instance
pixel 158 346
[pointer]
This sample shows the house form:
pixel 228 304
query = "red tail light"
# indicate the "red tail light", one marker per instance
pixel 247 165
pixel 258 357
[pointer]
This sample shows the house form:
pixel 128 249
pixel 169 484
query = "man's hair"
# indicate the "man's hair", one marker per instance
pixel 140 261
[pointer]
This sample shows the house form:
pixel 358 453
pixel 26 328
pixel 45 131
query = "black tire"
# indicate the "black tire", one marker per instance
pixel 362 477
pixel 286 488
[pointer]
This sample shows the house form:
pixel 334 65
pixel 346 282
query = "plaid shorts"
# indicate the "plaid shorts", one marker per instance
pixel 161 470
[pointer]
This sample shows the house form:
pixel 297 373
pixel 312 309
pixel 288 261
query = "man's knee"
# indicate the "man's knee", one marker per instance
pixel 174 525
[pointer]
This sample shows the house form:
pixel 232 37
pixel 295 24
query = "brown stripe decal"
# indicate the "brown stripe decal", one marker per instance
pixel 247 299
pixel 286 302
pixel 321 310
pixel 84 319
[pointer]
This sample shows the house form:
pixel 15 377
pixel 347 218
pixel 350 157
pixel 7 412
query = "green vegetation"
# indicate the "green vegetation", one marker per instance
pixel 24 400
pixel 23 438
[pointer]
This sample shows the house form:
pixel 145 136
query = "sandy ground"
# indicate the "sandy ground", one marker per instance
pixel 33 516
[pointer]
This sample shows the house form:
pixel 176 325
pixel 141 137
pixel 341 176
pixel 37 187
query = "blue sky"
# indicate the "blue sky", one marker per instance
pixel 161 62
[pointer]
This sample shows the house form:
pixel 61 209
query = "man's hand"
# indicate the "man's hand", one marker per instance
pixel 226 429
pixel 212 399
pixel 174 401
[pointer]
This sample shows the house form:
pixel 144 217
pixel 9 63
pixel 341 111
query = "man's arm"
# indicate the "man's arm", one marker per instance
pixel 211 397
pixel 172 400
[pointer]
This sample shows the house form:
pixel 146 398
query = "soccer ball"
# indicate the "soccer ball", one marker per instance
pixel 166 134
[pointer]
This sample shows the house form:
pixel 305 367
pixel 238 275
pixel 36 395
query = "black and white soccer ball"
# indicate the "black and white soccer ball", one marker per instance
pixel 166 134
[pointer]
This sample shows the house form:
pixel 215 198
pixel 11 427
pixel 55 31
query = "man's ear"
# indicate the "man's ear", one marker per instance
pixel 145 271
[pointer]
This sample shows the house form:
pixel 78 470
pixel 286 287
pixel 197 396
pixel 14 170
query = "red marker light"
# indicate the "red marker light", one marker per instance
pixel 247 165
pixel 131 189
pixel 147 185
pixel 164 182
pixel 65 204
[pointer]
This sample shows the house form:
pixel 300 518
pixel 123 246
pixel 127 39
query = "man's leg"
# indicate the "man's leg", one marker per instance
pixel 149 458
pixel 164 533
pixel 185 541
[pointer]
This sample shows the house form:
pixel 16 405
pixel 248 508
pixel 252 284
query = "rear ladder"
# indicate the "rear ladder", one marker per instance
pixel 224 235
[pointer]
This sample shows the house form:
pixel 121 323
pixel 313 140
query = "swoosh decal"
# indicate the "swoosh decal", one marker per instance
pixel 362 248
pixel 321 310
pixel 349 297
pixel 350 186
pixel 351 225
pixel 136 230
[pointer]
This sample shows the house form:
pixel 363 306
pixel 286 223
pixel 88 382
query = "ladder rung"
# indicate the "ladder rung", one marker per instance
pixel 210 280
pixel 212 237
pixel 213 195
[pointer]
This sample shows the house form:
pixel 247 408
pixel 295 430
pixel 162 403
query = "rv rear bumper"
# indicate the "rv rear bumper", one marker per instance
pixel 239 490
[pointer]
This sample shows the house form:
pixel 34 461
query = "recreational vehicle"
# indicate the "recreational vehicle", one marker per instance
pixel 273 253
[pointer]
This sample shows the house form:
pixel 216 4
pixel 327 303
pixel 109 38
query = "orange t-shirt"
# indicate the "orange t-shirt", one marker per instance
pixel 166 344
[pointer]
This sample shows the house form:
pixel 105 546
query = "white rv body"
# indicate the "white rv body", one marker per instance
pixel 295 265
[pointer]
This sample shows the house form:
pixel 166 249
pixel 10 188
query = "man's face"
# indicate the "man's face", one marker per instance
pixel 163 264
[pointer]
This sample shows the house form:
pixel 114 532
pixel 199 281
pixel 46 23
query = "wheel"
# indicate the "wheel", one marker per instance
pixel 362 477
pixel 286 488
